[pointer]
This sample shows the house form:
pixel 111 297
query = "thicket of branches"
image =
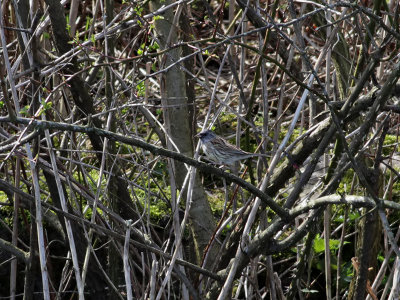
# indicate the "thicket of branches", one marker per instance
pixel 103 194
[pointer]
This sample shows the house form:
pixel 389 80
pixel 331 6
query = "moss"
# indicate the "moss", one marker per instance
pixel 390 144
pixel 3 197
pixel 345 183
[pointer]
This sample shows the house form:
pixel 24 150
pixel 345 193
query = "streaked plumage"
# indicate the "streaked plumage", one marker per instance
pixel 220 151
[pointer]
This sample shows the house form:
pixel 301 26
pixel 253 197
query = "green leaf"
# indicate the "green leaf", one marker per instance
pixel 68 26
pixel 138 10
pixel 46 105
pixel 140 89
pixel 24 110
pixel 88 22
pixel 319 244
pixel 154 46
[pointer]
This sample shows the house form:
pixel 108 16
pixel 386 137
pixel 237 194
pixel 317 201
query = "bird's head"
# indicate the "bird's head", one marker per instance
pixel 206 135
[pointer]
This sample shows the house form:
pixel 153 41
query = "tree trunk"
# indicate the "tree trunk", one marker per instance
pixel 177 123
pixel 369 229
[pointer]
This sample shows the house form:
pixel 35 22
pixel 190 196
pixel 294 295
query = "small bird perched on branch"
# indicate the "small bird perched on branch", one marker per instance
pixel 220 151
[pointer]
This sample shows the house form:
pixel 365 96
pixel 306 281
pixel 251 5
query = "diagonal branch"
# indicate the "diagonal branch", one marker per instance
pixel 41 125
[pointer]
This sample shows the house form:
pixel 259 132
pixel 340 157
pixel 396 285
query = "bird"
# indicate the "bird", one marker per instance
pixel 220 151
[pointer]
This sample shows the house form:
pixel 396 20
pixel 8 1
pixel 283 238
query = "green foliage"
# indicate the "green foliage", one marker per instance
pixel 140 89
pixel 345 183
pixel 3 197
pixel 24 110
pixel 138 10
pixel 347 272
pixel 68 26
pixel 319 245
pixel 390 144
pixel 154 46
pixel 123 148
pixel 217 200
pixel 94 178
pixel 160 169
pixel 6 214
pixel 144 49
pixel 154 67
pixel 46 105
pixel 156 208
pixel 140 50
pixel 354 215
pixel 228 118
pixel 209 54
pixel 88 23
pixel 155 18
pixel 124 110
